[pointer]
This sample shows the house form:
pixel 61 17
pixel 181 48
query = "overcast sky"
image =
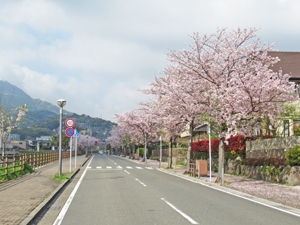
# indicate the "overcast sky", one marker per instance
pixel 96 54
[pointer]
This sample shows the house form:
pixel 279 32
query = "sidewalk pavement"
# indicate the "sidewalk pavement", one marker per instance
pixel 20 197
pixel 274 192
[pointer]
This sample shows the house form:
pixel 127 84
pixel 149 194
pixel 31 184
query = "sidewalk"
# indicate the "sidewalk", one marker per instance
pixel 286 195
pixel 18 198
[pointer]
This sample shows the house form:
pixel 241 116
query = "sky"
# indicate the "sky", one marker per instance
pixel 97 54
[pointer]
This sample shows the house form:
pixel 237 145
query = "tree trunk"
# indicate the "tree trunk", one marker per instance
pixel 3 152
pixel 188 155
pixel 221 159
pixel 170 154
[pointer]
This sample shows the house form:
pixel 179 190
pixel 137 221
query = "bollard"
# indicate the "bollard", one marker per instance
pixel 223 176
pixel 175 166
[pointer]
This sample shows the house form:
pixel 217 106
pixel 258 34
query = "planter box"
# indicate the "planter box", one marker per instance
pixel 136 156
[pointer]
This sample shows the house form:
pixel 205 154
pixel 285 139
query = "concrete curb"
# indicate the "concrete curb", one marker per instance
pixel 33 215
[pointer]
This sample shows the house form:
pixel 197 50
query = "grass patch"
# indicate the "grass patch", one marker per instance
pixel 62 177
pixel 11 175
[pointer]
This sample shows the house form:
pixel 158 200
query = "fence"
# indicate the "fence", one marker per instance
pixel 16 163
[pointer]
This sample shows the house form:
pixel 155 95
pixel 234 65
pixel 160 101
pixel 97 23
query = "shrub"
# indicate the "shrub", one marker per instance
pixel 296 130
pixel 293 156
pixel 141 151
pixel 264 162
pixel 237 144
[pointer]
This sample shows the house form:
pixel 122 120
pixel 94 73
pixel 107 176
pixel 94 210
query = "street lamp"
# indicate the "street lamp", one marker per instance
pixel 61 103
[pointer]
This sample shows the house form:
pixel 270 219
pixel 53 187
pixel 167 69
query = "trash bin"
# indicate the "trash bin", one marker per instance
pixel 203 167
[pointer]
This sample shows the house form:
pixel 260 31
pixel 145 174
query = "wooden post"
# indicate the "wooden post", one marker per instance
pixel 23 162
pixel 6 166
pixel 14 164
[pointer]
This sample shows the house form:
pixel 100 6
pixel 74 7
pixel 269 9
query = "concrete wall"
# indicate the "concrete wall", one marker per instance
pixel 273 147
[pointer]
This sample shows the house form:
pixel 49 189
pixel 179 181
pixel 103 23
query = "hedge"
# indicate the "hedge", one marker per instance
pixel 235 143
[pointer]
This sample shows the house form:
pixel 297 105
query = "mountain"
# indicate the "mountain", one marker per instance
pixel 12 96
pixel 43 117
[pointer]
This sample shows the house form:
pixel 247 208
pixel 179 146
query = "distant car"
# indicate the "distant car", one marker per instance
pixel 101 152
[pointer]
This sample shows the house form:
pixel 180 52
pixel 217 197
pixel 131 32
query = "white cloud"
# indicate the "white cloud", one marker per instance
pixel 96 54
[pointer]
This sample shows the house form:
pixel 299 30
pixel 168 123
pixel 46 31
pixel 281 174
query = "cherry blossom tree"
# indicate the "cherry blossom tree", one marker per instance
pixel 84 141
pixel 181 98
pixel 171 124
pixel 139 123
pixel 243 87
pixel 116 138
pixel 8 122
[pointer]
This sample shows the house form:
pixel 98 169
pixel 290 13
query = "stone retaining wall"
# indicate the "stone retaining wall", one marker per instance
pixel 271 148
pixel 282 174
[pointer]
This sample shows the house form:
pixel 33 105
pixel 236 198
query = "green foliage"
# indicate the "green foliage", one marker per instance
pixel 264 162
pixel 183 145
pixel 141 151
pixel 268 170
pixel 293 156
pixel 296 130
pixel 18 172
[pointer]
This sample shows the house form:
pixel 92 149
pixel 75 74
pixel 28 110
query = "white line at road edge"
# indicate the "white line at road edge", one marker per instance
pixel 181 213
pixel 239 196
pixel 68 203
pixel 141 182
pixel 126 171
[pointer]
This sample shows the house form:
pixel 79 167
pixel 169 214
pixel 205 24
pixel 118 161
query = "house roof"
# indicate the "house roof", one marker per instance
pixel 289 63
pixel 201 128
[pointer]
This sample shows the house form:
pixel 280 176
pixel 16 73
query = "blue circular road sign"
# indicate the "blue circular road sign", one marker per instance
pixel 70 132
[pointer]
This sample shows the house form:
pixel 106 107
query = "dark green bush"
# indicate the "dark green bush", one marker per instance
pixel 293 156
pixel 264 162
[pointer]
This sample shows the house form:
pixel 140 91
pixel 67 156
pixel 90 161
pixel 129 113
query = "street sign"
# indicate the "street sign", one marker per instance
pixel 76 134
pixel 70 122
pixel 70 132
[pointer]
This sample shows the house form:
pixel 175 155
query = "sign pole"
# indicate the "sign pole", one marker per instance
pixel 71 155
pixel 76 152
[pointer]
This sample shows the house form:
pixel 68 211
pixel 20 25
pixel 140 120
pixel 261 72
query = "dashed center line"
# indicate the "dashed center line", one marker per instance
pixel 180 212
pixel 140 168
pixel 141 182
pixel 128 167
pixel 126 171
pixel 98 167
pixel 108 167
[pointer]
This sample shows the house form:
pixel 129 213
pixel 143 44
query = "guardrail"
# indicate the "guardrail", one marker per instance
pixel 16 163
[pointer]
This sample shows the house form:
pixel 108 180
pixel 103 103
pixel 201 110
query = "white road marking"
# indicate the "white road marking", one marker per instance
pixel 89 167
pixel 98 167
pixel 126 171
pixel 140 168
pixel 149 168
pixel 128 167
pixel 239 196
pixel 108 167
pixel 141 182
pixel 119 167
pixel 68 202
pixel 181 213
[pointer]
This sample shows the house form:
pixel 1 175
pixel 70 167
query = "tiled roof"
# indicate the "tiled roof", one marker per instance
pixel 289 63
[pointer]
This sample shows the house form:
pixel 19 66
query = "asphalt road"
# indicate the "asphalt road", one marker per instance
pixel 114 190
